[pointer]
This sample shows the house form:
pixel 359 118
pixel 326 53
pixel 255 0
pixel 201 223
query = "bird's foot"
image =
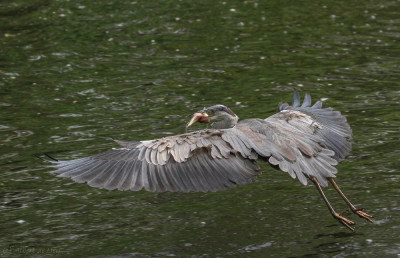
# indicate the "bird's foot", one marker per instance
pixel 362 214
pixel 343 220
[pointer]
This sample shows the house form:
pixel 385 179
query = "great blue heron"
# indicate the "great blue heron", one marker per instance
pixel 304 141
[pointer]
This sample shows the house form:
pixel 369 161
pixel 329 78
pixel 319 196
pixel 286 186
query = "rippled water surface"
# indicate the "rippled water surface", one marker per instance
pixel 73 74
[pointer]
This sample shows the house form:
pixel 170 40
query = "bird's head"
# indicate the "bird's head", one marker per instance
pixel 221 116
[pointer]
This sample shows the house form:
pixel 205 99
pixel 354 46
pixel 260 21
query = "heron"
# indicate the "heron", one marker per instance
pixel 304 140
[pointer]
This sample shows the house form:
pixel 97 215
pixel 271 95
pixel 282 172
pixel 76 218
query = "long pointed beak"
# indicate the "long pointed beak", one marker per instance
pixel 198 117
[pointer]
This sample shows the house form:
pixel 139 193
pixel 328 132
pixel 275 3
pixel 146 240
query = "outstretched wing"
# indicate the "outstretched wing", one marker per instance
pixel 332 127
pixel 301 140
pixel 198 161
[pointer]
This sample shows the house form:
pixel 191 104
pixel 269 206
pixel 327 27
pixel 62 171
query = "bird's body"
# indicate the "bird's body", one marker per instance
pixel 305 141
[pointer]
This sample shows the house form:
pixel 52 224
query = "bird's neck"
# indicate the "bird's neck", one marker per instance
pixel 225 122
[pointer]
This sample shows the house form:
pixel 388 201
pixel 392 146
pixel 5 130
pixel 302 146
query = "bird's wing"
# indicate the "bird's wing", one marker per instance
pixel 332 126
pixel 198 161
pixel 301 140
pixel 293 148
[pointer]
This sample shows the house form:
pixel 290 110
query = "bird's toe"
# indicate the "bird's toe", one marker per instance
pixel 364 215
pixel 344 221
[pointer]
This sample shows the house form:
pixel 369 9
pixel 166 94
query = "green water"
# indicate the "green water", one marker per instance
pixel 75 73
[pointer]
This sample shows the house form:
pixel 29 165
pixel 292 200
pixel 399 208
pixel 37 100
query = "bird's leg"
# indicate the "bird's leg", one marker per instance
pixel 359 212
pixel 337 216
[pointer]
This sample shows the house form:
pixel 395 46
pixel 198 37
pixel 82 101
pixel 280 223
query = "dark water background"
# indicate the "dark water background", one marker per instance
pixel 75 73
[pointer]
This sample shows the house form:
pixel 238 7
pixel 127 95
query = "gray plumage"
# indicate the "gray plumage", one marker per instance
pixel 304 141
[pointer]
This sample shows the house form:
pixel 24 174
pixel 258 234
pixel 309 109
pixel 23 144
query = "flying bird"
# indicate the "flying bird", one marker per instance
pixel 302 140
